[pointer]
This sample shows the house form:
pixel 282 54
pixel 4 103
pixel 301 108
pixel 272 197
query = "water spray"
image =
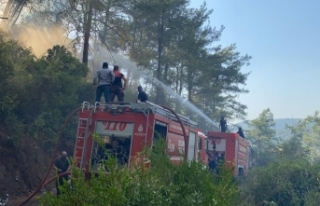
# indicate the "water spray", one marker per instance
pixel 128 64
pixel 148 75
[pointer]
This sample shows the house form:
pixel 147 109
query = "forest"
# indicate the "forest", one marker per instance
pixel 179 48
pixel 172 41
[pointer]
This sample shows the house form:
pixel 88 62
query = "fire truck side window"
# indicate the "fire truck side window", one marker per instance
pixel 199 144
pixel 210 146
pixel 205 144
pixel 160 131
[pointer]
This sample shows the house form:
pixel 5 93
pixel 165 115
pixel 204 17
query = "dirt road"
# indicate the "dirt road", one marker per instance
pixel 16 202
pixel 32 202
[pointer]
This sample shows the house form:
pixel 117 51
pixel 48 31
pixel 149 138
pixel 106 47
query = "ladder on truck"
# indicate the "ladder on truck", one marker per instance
pixel 82 138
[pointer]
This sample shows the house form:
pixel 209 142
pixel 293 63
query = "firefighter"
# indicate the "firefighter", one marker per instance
pixel 240 133
pixel 142 97
pixel 212 162
pixel 61 165
pixel 117 89
pixel 223 124
pixel 102 82
pixel 220 161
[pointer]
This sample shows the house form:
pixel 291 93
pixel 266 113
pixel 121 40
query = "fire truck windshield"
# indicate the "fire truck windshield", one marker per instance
pixel 114 146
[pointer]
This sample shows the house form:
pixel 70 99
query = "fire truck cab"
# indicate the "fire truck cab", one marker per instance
pixel 231 149
pixel 126 128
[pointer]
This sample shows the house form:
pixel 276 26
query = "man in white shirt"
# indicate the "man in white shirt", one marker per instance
pixel 102 82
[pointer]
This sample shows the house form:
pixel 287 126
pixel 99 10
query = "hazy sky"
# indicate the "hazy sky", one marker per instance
pixel 283 38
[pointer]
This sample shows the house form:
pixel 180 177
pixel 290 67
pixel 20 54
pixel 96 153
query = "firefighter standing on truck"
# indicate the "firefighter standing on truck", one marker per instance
pixel 240 133
pixel 102 82
pixel 116 88
pixel 142 96
pixel 223 124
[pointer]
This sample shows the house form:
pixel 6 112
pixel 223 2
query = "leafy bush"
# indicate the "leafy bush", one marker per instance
pixel 37 94
pixel 283 182
pixel 163 184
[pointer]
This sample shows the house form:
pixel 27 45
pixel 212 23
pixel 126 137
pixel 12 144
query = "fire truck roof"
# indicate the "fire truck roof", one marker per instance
pixel 141 108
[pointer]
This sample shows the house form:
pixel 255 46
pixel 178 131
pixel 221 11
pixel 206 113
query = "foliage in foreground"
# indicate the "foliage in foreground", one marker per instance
pixel 283 182
pixel 286 169
pixel 163 184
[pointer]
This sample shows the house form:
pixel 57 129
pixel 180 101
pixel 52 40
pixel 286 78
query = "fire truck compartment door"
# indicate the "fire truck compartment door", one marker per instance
pixel 114 128
pixel 191 145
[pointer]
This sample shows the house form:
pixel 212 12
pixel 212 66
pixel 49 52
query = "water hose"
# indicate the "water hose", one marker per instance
pixel 52 159
pixel 186 143
pixel 44 182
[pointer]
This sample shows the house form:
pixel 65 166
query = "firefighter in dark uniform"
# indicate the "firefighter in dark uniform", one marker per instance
pixel 223 124
pixel 61 165
pixel 212 162
pixel 117 89
pixel 142 96
pixel 240 133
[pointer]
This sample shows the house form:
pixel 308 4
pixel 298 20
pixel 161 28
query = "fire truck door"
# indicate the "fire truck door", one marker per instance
pixel 199 150
pixel 191 146
pixel 236 154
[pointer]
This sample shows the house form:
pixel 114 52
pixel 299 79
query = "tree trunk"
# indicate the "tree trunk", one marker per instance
pixel 4 23
pixel 160 49
pixel 16 14
pixel 12 10
pixel 177 79
pixel 87 30
pixel 190 84
pixel 160 92
pixel 106 21
pixel 166 69
pixel 181 80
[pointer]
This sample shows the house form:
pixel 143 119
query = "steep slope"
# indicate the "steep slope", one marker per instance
pixel 23 166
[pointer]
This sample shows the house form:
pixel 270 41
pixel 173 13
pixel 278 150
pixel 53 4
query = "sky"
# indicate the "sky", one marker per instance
pixel 283 38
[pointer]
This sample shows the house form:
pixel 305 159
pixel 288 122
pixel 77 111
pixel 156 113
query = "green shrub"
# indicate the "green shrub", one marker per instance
pixel 283 182
pixel 163 184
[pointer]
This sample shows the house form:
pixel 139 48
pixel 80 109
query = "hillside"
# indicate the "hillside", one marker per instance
pixel 280 126
pixel 280 123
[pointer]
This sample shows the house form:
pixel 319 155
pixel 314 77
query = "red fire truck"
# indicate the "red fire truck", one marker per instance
pixel 127 128
pixel 124 129
pixel 230 148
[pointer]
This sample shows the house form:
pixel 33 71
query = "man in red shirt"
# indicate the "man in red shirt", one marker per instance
pixel 117 88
